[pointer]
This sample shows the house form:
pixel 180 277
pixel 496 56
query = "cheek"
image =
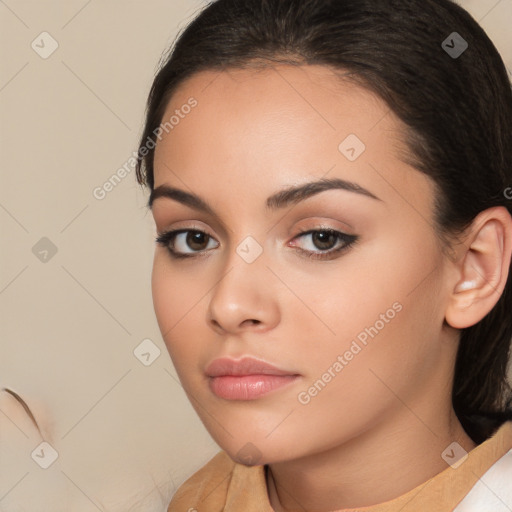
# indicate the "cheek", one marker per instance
pixel 164 298
pixel 177 304
pixel 386 301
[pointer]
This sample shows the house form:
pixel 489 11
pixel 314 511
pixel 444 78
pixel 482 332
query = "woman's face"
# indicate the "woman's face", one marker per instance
pixel 354 318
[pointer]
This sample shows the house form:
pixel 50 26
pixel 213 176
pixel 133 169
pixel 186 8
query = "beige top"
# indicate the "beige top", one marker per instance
pixel 223 485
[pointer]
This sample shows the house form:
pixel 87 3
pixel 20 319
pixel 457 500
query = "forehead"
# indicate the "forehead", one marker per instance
pixel 318 95
pixel 267 128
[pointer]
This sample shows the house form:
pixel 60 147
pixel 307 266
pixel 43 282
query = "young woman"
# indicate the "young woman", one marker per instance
pixel 330 182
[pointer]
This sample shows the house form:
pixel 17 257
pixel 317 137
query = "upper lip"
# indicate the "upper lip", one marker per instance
pixel 243 366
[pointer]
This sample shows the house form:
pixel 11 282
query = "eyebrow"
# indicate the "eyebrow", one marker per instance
pixel 286 197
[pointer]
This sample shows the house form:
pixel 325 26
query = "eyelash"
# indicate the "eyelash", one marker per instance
pixel 166 238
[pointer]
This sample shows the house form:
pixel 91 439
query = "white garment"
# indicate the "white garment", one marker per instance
pixel 493 491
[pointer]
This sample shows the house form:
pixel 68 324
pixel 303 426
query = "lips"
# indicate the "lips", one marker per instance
pixel 244 366
pixel 246 379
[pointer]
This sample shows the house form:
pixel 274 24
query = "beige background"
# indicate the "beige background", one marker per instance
pixel 125 433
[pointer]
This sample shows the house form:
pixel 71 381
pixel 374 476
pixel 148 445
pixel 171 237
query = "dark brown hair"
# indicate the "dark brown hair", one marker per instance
pixel 457 110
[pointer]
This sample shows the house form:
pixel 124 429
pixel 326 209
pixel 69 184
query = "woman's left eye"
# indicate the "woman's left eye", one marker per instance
pixel 328 241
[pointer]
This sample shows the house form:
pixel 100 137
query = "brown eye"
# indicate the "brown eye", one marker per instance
pixel 196 240
pixel 323 243
pixel 185 243
pixel 324 240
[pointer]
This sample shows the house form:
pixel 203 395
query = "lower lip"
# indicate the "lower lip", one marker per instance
pixel 248 387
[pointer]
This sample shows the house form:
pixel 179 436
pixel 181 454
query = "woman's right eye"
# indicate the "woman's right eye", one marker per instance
pixel 178 241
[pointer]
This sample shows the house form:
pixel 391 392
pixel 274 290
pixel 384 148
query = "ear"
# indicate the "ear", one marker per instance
pixel 481 268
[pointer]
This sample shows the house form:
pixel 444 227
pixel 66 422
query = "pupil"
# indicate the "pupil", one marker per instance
pixel 325 238
pixel 195 237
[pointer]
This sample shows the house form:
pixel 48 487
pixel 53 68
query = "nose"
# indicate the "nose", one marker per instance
pixel 245 298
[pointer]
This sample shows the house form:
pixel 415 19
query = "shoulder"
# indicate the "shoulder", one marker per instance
pixel 209 485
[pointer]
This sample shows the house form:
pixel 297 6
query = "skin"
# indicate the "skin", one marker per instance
pixel 253 133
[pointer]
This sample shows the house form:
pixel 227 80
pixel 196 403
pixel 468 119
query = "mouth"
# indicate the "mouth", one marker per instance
pixel 246 379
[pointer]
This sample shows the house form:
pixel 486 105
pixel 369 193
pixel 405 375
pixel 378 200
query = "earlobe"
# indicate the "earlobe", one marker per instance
pixel 483 270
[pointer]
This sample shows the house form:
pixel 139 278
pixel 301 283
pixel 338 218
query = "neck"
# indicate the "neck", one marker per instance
pixel 376 466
